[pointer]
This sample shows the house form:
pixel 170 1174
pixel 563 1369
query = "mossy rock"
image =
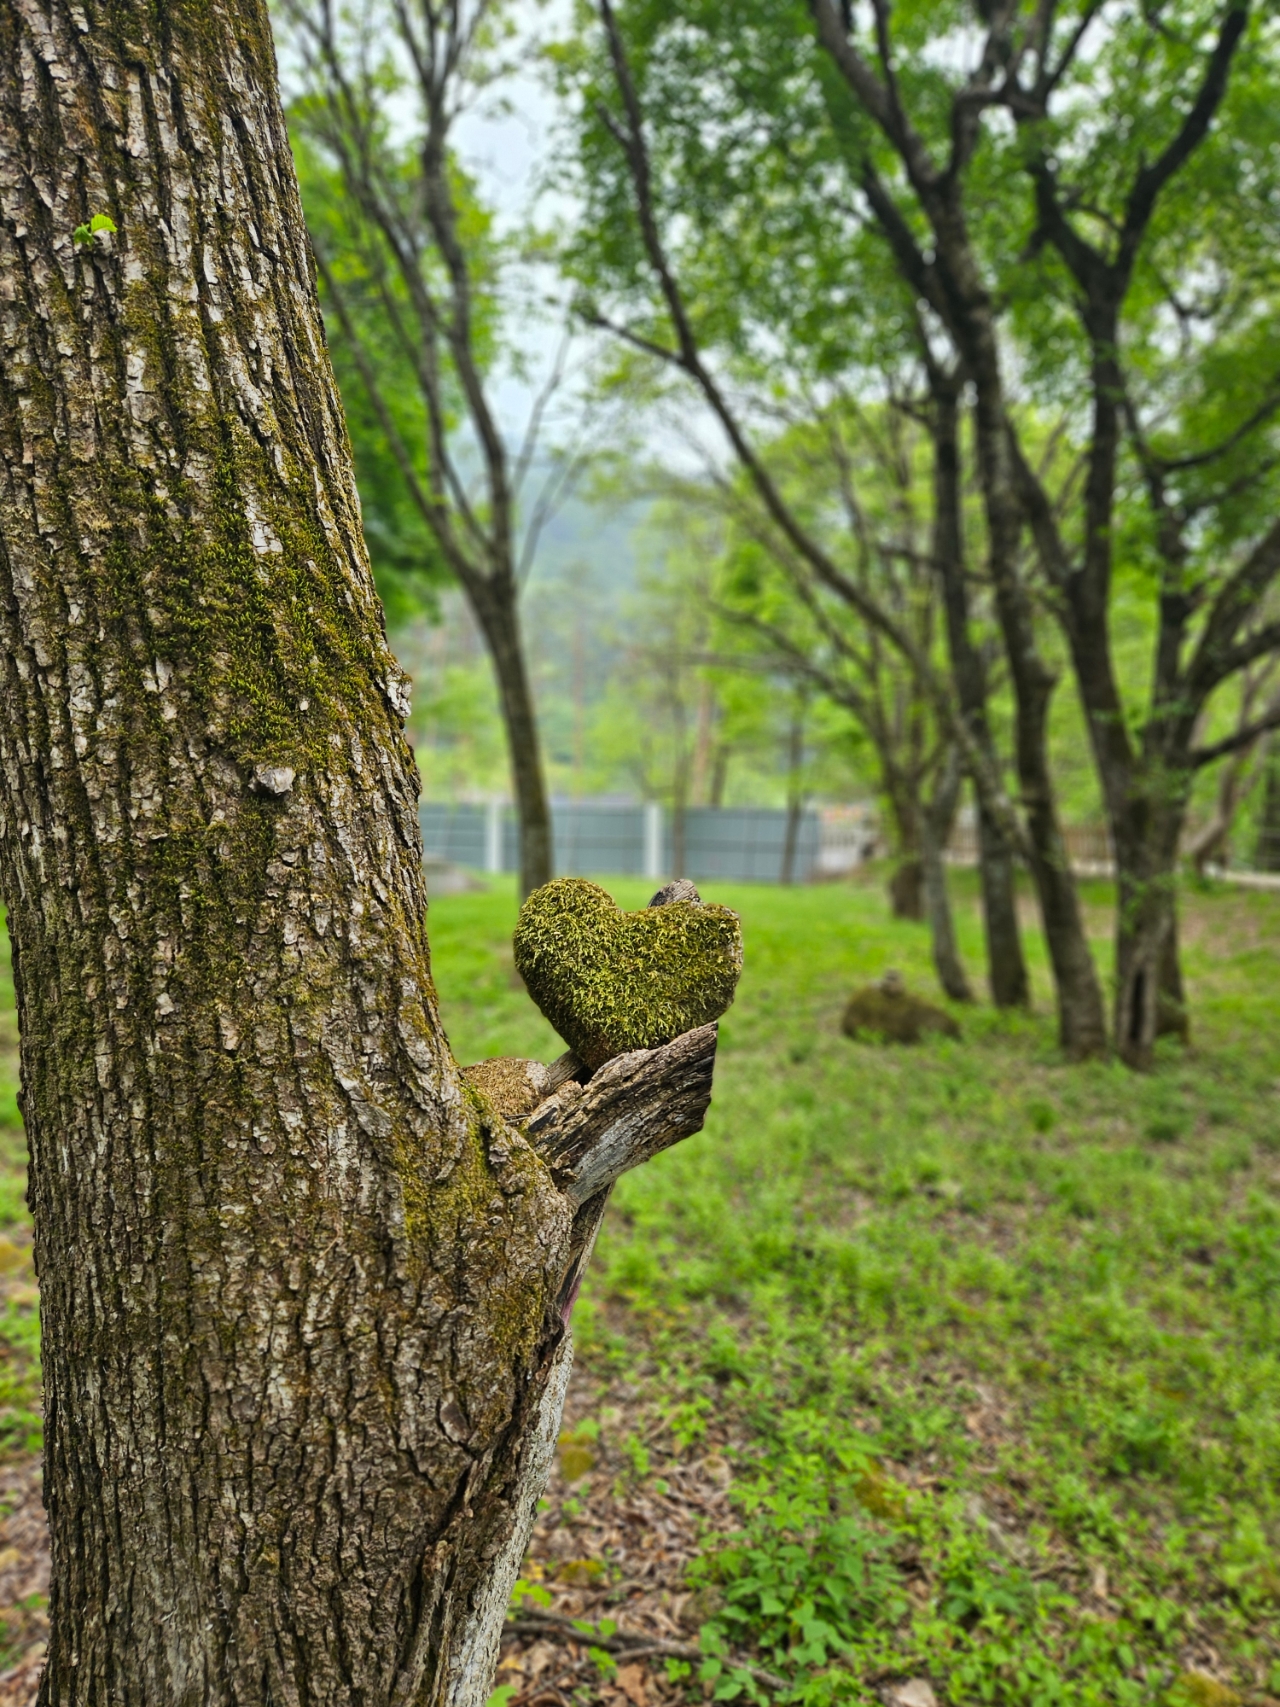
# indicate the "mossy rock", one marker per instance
pixel 894 1015
pixel 610 981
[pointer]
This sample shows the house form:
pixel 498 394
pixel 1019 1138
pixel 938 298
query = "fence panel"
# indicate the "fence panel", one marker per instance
pixel 743 844
pixel 455 833
pixel 594 836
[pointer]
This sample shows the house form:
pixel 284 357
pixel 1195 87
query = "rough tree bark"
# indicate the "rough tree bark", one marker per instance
pixel 935 828
pixel 1006 968
pixel 304 1288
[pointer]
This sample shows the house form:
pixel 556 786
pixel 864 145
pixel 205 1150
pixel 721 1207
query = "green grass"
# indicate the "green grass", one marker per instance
pixel 987 1325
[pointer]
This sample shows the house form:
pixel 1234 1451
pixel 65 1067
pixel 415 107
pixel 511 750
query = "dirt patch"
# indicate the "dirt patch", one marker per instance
pixel 24 1581
pixel 626 1512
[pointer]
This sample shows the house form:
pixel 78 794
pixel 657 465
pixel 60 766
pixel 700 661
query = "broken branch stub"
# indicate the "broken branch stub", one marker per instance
pixel 635 1106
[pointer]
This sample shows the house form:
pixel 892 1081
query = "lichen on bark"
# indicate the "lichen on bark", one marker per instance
pixel 300 1289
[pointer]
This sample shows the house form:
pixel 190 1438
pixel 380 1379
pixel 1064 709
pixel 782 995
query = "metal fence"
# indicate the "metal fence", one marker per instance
pixel 743 843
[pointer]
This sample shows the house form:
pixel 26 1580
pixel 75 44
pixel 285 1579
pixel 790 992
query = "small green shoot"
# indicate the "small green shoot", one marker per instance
pixel 83 235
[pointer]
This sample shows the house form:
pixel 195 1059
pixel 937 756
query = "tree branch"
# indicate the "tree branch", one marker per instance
pixel 634 1107
pixel 1152 179
pixel 1214 654
pixel 1243 737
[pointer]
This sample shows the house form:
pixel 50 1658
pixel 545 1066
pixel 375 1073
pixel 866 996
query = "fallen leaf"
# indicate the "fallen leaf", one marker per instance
pixel 915 1692
pixel 633 1681
pixel 538 1658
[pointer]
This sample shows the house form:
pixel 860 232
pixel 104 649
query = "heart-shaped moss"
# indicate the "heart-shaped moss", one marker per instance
pixel 610 981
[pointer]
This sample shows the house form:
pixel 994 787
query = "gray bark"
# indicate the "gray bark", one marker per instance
pixel 935 828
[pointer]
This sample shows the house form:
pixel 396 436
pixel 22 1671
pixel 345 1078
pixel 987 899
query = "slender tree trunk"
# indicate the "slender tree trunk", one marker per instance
pixel 720 774
pixel 998 876
pixel 1266 852
pixel 1150 1001
pixel 303 1291
pixel 1082 1029
pixel 1006 968
pixel 1212 841
pixel 1081 1023
pixel 795 795
pixel 500 618
pixel 935 828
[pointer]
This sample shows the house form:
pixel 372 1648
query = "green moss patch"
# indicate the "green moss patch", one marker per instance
pixel 611 981
pixel 894 1015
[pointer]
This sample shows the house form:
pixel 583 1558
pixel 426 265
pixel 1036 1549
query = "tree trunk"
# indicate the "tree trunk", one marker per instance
pixel 1266 852
pixel 1150 1001
pixel 1006 968
pixel 720 774
pixel 935 828
pixel 901 791
pixel 998 876
pixel 499 614
pixel 303 1290
pixel 795 795
pixel 1082 1029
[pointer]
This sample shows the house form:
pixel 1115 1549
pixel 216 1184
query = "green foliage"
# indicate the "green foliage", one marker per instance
pixel 406 558
pixel 978 1336
pixel 760 158
pixel 802 1581
pixel 83 235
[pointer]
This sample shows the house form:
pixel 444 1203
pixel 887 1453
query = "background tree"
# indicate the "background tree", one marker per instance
pixel 413 277
pixel 1110 237
pixel 879 532
pixel 303 1288
pixel 721 299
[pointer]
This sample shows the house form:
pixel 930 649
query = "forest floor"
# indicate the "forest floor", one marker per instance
pixel 949 1374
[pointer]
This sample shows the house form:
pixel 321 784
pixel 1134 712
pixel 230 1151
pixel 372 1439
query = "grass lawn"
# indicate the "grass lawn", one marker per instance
pixel 992 1343
pixel 997 1340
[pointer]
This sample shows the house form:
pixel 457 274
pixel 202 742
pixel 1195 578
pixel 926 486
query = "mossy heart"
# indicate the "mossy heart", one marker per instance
pixel 611 981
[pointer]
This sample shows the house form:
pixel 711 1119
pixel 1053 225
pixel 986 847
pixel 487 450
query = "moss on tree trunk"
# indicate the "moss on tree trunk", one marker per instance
pixel 298 1285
